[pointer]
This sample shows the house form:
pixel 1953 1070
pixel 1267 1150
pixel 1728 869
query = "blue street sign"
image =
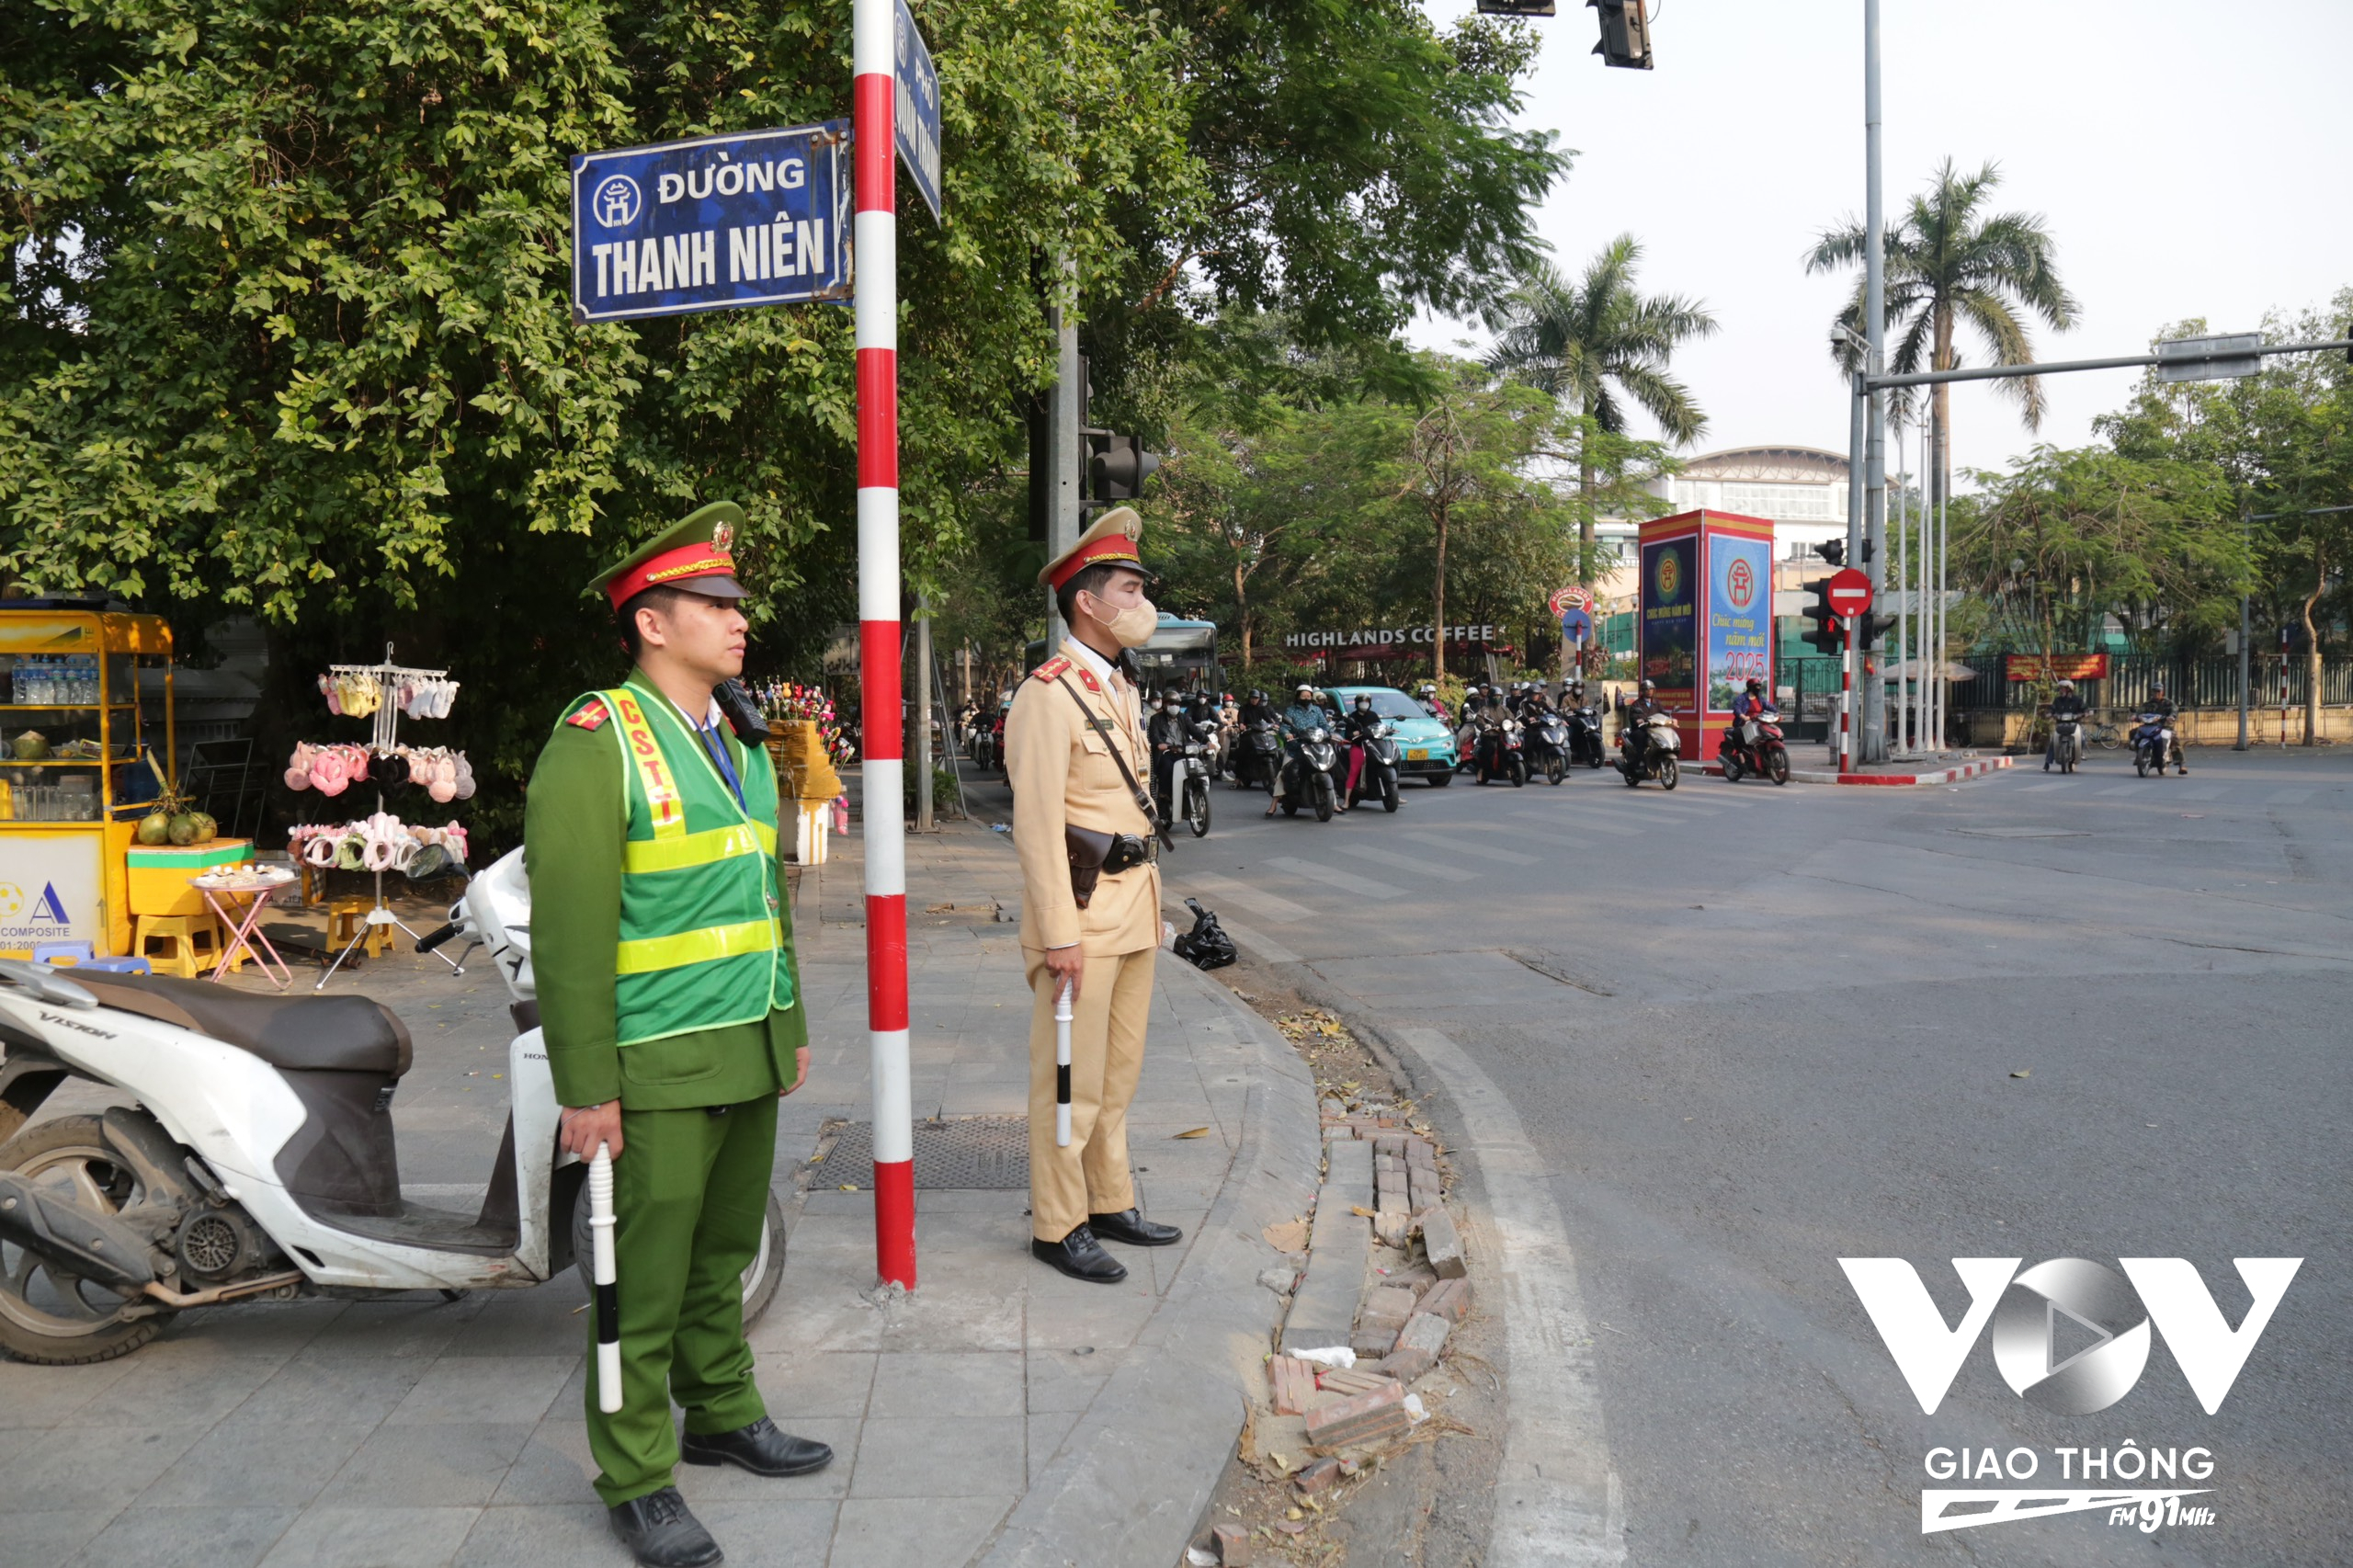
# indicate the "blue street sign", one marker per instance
pixel 915 122
pixel 755 218
pixel 1575 624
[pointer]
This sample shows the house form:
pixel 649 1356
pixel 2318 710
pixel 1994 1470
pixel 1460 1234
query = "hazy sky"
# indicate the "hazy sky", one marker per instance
pixel 2190 158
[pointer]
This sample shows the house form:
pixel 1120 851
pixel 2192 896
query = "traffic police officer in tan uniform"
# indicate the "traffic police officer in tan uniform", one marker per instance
pixel 1076 756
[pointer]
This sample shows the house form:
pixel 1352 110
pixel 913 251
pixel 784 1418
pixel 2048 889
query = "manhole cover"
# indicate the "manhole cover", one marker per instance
pixel 990 1152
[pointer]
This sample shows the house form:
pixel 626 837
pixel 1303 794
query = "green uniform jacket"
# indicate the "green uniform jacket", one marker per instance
pixel 573 830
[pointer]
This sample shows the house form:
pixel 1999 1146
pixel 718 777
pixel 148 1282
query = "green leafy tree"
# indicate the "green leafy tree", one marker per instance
pixel 1598 345
pixel 286 328
pixel 1948 265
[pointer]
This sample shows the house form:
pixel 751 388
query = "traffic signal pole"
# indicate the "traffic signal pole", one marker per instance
pixel 1874 729
pixel 873 87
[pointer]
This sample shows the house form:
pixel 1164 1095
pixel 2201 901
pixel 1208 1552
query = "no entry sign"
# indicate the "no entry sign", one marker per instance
pixel 1849 592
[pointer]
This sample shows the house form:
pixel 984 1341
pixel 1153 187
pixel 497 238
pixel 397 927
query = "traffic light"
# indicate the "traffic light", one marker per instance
pixel 1825 636
pixel 1869 629
pixel 1834 551
pixel 1118 468
pixel 1625 33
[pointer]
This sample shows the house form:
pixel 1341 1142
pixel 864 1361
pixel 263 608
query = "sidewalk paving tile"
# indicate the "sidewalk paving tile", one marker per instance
pixel 931 1457
pixel 544 1535
pixel 40 1397
pixel 948 1383
pixel 263 1464
pixel 47 1538
pixel 96 1469
pixel 424 1467
pixel 484 1390
pixel 324 1384
pixel 160 1394
pixel 187 1537
pixel 821 1382
pixel 372 1538
pixel 878 1532
pixel 763 1533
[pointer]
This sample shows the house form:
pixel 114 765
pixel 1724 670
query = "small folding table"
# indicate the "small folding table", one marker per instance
pixel 243 924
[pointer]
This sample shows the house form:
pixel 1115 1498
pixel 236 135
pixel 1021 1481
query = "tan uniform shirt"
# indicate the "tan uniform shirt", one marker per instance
pixel 1062 771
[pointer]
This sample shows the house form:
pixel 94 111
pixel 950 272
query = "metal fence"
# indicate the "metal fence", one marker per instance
pixel 2191 683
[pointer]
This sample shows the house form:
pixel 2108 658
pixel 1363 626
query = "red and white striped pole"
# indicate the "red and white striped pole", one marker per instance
pixel 1846 702
pixel 876 238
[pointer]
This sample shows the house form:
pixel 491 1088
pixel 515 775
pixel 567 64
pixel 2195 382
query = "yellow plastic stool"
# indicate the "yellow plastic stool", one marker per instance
pixel 344 922
pixel 180 932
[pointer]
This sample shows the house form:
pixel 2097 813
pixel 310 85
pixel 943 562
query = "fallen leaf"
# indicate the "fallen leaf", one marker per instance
pixel 849 1186
pixel 2023 1072
pixel 1359 1211
pixel 1291 1235
pixel 1293 1514
pixel 1288 1527
pixel 1196 1133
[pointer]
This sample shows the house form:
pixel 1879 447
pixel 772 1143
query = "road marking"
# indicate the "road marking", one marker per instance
pixel 2286 797
pixel 1364 887
pixel 1408 863
pixel 1265 946
pixel 1557 1501
pixel 1219 890
pixel 1476 851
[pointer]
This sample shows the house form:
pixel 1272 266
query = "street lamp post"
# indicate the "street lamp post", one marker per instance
pixel 1873 727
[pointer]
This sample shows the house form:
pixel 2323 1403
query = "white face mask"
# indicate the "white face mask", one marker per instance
pixel 1132 627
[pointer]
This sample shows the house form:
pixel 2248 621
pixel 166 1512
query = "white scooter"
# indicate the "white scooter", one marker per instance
pixel 259 1160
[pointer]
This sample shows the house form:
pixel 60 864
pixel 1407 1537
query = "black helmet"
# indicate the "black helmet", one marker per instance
pixel 1258 694
pixel 1364 699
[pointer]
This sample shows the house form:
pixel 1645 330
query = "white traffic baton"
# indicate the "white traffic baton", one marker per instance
pixel 1061 1066
pixel 600 1250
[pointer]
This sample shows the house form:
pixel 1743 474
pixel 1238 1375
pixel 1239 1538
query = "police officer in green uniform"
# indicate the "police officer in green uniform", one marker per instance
pixel 668 994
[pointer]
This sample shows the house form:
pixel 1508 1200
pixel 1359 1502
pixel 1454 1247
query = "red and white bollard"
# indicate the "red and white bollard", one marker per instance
pixel 1846 702
pixel 876 234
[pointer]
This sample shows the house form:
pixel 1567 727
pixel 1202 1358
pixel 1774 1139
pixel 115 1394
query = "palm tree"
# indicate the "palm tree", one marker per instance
pixel 1947 264
pixel 1595 344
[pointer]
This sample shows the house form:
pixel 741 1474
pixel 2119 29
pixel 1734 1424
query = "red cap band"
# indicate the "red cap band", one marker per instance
pixel 669 568
pixel 1109 549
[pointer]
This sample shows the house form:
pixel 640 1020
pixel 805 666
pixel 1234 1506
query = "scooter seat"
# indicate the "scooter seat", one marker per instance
pixel 300 1034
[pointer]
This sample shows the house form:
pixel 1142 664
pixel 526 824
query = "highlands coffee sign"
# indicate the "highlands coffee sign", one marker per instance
pixel 1394 642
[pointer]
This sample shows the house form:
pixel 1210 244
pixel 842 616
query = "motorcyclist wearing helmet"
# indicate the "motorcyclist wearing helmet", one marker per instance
pixel 1357 726
pixel 1427 695
pixel 2162 707
pixel 1633 726
pixel 2065 703
pixel 1304 714
pixel 1165 732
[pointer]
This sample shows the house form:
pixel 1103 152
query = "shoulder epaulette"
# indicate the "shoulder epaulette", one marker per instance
pixel 1050 668
pixel 591 714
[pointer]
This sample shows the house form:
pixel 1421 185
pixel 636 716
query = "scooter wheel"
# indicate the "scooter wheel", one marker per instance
pixel 1732 769
pixel 1669 773
pixel 1778 766
pixel 54 1319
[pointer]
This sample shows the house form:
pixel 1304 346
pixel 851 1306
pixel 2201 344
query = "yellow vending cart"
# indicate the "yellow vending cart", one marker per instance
pixel 74 770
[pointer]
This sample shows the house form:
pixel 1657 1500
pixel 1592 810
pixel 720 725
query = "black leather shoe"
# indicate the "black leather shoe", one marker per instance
pixel 1132 1227
pixel 1081 1257
pixel 660 1533
pixel 759 1447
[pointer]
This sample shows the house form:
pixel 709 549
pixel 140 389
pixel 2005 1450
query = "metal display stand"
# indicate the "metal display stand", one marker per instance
pixel 381 743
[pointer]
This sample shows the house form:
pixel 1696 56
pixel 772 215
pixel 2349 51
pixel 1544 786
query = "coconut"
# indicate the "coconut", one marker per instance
pixel 183 830
pixel 206 830
pixel 154 828
pixel 30 746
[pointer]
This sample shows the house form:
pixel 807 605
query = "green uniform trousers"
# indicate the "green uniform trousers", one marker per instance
pixel 690 1191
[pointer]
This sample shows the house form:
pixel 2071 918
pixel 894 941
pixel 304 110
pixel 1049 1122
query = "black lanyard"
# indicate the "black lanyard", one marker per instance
pixel 712 744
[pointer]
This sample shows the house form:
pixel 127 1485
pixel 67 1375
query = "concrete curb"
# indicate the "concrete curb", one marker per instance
pixel 1885 780
pixel 1131 1479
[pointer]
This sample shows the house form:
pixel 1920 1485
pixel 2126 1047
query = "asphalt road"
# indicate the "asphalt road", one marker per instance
pixel 1752 1030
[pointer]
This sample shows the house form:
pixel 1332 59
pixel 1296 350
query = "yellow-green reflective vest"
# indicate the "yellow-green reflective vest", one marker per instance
pixel 702 943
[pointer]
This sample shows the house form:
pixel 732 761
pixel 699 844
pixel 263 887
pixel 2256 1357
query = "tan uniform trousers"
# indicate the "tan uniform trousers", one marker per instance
pixel 1106 1030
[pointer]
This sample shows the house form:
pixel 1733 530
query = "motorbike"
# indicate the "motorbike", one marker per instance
pixel 1498 751
pixel 1658 757
pixel 1188 781
pixel 1545 739
pixel 1259 757
pixel 1754 745
pixel 980 745
pixel 1380 775
pixel 1307 774
pixel 251 1154
pixel 2066 741
pixel 2153 745
pixel 1584 736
